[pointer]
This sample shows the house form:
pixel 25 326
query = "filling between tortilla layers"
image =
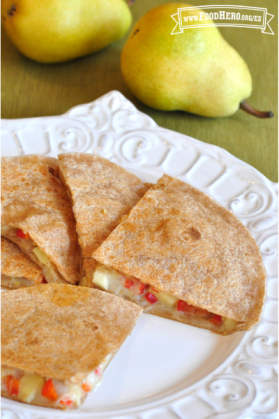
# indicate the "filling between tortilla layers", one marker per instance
pixel 18 282
pixel 145 295
pixel 36 254
pixel 38 390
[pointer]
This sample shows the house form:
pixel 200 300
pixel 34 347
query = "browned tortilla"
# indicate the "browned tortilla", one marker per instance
pixel 34 200
pixel 15 264
pixel 101 193
pixel 76 328
pixel 182 242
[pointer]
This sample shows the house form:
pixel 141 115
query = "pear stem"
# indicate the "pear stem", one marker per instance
pixel 247 108
pixel 131 2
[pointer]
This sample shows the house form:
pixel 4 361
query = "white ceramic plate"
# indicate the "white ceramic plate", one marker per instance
pixel 167 370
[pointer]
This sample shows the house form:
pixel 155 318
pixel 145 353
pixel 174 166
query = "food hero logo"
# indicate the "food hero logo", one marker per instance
pixel 236 16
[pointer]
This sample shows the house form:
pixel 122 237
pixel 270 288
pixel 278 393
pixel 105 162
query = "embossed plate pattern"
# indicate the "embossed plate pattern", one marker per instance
pixel 166 370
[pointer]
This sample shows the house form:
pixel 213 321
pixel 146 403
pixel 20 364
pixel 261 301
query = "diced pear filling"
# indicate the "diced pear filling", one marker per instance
pixel 40 254
pixel 42 257
pixel 16 282
pixel 48 268
pixel 50 272
pixel 101 279
pixel 228 324
pixel 110 280
pixel 29 385
pixel 165 298
pixel 69 393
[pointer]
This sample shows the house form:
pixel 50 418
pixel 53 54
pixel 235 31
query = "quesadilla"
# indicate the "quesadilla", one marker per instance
pixel 102 193
pixel 182 256
pixel 17 270
pixel 78 331
pixel 37 216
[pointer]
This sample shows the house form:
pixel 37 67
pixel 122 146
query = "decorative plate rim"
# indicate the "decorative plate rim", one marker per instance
pixel 108 124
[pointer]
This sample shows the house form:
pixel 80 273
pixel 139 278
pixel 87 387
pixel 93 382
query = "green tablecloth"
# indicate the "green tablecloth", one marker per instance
pixel 30 89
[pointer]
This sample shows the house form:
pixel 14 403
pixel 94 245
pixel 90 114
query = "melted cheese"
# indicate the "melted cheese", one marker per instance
pixel 113 281
pixel 31 385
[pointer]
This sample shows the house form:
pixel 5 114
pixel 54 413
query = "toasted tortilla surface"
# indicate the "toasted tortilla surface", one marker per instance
pixel 14 263
pixel 60 331
pixel 182 242
pixel 101 193
pixel 35 201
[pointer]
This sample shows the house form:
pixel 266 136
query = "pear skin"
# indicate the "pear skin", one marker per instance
pixel 51 31
pixel 196 71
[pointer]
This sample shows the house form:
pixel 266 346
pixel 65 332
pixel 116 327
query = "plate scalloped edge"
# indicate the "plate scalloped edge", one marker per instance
pixel 246 384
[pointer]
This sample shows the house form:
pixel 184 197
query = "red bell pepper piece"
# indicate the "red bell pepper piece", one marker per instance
pixel 22 235
pixel 141 289
pixel 86 387
pixel 98 371
pixel 129 283
pixel 41 280
pixel 151 298
pixel 188 308
pixel 183 306
pixel 12 385
pixel 7 379
pixel 217 320
pixel 48 390
pixel 67 402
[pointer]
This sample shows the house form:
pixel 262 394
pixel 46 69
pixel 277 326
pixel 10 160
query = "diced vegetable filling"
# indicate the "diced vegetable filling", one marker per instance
pixel 35 253
pixel 12 384
pixel 133 289
pixel 48 268
pixel 42 257
pixel 14 282
pixel 21 234
pixel 32 388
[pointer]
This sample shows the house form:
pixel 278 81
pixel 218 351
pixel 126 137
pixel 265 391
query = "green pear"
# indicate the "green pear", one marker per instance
pixel 51 31
pixel 196 71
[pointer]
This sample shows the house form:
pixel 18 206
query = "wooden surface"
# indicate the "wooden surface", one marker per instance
pixel 30 89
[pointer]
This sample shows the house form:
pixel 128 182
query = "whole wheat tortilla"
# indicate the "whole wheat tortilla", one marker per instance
pixel 76 328
pixel 34 200
pixel 101 193
pixel 15 264
pixel 182 242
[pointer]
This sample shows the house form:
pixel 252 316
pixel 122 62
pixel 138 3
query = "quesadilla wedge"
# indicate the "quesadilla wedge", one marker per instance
pixel 102 193
pixel 182 256
pixel 37 216
pixel 78 331
pixel 17 270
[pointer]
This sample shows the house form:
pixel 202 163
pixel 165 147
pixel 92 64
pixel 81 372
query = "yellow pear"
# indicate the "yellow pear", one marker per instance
pixel 195 71
pixel 51 31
